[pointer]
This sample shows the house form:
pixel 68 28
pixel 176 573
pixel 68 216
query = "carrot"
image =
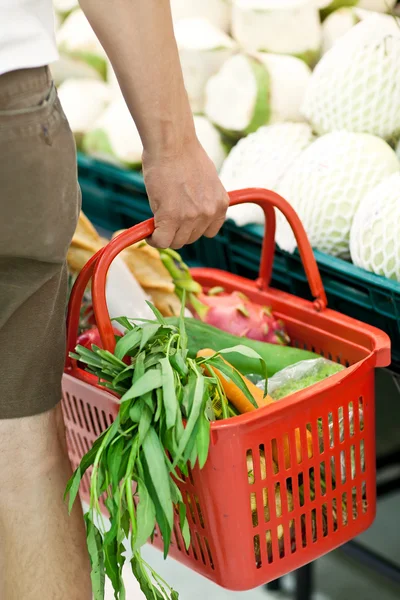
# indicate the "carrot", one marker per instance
pixel 240 402
pixel 235 394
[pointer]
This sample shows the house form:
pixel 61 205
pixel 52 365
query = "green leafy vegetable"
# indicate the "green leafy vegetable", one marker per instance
pixel 162 426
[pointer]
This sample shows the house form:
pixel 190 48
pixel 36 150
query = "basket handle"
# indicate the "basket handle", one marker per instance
pixel 266 198
pixel 98 266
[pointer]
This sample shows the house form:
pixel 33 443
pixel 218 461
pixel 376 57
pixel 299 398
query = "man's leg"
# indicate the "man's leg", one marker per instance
pixel 44 549
pixel 43 554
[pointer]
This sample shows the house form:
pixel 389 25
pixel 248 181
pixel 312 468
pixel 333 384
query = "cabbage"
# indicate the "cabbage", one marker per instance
pixel 251 91
pixel 261 160
pixel 326 184
pixel 356 85
pixel 289 79
pixel 76 39
pixel 291 27
pixel 217 12
pixel 336 25
pixel 83 101
pixel 210 138
pixel 202 49
pixel 375 239
pixel 114 137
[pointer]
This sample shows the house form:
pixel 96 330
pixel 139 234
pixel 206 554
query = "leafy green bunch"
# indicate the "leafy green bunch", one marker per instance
pixel 163 425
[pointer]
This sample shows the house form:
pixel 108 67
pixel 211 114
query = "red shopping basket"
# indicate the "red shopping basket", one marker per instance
pixel 252 518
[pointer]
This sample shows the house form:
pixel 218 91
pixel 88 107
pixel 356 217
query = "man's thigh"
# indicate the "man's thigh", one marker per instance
pixel 39 206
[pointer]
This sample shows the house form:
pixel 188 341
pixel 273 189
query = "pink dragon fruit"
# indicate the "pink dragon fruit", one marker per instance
pixel 231 312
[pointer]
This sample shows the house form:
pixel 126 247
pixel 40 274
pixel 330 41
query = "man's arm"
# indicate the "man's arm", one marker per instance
pixel 185 192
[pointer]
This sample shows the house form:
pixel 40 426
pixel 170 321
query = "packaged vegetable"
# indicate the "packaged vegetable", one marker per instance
pixel 300 376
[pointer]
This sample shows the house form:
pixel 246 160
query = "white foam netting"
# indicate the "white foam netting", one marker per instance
pixel 356 84
pixel 260 160
pixel 375 239
pixel 326 184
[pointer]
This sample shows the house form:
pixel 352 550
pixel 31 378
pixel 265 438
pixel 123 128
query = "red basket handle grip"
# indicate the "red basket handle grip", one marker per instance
pixel 266 198
pixel 98 266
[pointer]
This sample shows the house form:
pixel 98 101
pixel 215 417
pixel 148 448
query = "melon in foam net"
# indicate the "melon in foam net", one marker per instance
pixel 251 91
pixel 356 84
pixel 261 160
pixel 326 184
pixel 279 26
pixel 375 239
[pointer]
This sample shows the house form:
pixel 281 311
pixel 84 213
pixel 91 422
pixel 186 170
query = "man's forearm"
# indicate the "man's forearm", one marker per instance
pixel 139 40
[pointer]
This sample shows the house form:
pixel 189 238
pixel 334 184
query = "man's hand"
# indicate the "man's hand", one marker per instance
pixel 186 197
pixel 185 193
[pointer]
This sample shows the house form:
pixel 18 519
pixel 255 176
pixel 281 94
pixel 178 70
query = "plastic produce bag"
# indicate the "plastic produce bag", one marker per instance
pixel 125 297
pixel 300 376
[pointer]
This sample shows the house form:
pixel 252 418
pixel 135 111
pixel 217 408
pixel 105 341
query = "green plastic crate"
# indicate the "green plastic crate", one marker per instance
pixel 114 198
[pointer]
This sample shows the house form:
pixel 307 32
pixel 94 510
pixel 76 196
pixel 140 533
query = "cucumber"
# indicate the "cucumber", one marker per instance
pixel 201 335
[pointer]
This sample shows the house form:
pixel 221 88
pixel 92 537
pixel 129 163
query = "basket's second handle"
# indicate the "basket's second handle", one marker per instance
pixel 266 198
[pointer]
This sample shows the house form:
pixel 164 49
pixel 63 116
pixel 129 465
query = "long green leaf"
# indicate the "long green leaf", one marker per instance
pixel 155 459
pixel 168 386
pixel 144 422
pixel 128 342
pixel 94 543
pixel 157 314
pixel 203 440
pixel 145 516
pixel 184 525
pixel 198 401
pixel 231 374
pixel 148 332
pixel 164 525
pixel 151 380
pixel 248 353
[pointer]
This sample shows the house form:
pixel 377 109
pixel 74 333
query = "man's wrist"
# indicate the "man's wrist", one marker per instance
pixel 169 139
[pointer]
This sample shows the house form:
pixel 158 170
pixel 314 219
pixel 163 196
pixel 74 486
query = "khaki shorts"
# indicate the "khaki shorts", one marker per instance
pixel 39 207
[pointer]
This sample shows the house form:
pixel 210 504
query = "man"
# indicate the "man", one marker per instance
pixel 43 553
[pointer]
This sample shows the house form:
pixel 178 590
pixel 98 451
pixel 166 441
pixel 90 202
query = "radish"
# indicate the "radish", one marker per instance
pixel 233 312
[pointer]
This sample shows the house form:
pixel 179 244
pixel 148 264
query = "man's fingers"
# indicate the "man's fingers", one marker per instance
pixel 162 237
pixel 214 228
pixel 183 235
